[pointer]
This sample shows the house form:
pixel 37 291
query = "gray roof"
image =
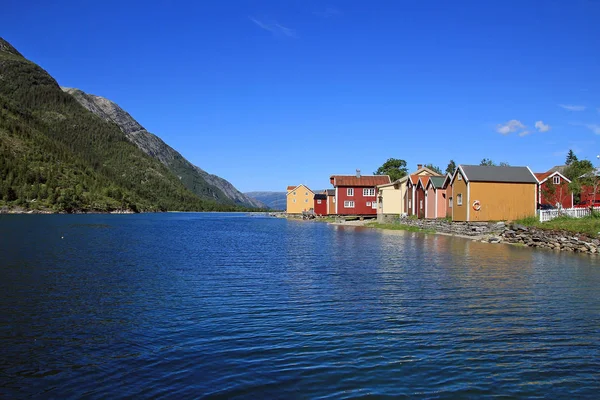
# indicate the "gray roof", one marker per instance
pixel 558 168
pixel 321 196
pixel 479 173
pixel 330 192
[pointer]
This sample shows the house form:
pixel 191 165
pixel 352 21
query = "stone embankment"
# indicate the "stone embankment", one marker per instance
pixel 500 232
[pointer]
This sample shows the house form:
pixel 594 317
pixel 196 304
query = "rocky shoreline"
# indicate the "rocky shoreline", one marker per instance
pixel 511 233
pixel 18 210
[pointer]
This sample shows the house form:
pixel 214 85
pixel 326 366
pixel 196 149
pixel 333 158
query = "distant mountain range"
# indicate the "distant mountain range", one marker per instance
pixel 273 200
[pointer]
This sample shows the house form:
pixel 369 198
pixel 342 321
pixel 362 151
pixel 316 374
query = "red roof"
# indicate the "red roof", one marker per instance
pixel 424 180
pixel 414 179
pixel 543 175
pixel 363 181
pixel 291 188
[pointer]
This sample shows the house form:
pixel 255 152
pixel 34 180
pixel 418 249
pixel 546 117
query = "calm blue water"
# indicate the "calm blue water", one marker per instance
pixel 233 306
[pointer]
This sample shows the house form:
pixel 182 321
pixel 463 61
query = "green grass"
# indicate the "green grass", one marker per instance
pixel 587 225
pixel 398 227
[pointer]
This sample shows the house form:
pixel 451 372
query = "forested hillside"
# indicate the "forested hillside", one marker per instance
pixel 55 154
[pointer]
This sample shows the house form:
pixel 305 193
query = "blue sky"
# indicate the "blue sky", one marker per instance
pixel 274 93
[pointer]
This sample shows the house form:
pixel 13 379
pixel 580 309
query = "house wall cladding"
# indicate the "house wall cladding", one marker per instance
pixel 501 201
pixel 359 199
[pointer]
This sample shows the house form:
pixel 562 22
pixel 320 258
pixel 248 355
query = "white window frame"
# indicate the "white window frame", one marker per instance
pixel 334 200
pixel 349 204
pixel 368 204
pixel 409 204
pixel 306 200
pixel 374 205
pixel 294 200
pixel 350 191
pixel 556 180
pixel 420 204
pixel 459 177
pixel 369 192
pixel 459 199
pixel 318 201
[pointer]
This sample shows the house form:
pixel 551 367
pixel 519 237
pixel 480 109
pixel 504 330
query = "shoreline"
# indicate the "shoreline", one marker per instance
pixel 495 233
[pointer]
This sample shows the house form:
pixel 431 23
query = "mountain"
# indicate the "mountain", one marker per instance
pixel 56 155
pixel 273 200
pixel 198 181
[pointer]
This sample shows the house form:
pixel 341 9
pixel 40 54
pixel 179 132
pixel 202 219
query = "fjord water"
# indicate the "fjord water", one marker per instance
pixel 237 306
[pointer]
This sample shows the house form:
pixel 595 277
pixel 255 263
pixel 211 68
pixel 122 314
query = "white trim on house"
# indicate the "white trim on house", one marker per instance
pixel 553 174
pixel 468 200
pixel 350 192
pixel 336 202
pixel 349 204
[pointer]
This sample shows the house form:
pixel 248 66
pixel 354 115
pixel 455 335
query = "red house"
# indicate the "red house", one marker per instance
pixel 356 194
pixel 554 189
pixel 420 196
pixel 409 201
pixel 320 206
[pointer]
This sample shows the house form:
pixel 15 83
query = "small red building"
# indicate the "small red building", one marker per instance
pixel 356 194
pixel 420 196
pixel 553 189
pixel 320 206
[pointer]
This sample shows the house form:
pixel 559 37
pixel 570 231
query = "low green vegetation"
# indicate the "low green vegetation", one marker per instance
pixel 398 227
pixel 587 225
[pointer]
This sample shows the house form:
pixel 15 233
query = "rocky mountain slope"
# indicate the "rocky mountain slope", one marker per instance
pixel 55 155
pixel 200 182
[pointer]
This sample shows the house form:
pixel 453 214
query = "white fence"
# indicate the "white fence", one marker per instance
pixel 547 215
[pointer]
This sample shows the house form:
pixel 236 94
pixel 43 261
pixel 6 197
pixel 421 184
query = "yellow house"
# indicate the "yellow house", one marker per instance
pixel 483 193
pixel 299 198
pixel 391 196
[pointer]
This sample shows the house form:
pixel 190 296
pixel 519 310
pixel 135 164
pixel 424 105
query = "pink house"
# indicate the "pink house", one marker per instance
pixel 435 198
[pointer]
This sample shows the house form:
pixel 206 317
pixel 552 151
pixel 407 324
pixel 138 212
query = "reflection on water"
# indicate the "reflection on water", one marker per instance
pixel 186 305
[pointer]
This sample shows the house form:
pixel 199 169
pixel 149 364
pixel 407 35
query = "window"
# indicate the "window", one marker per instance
pixel 374 205
pixel 409 203
pixel 334 199
pixel 306 194
pixel 306 200
pixel 368 204
pixel 459 199
pixel 420 204
pixel 369 192
pixel 348 204
pixel 450 203
pixel 318 201
pixel 350 192
pixel 294 193
pixel 294 200
pixel 459 177
pixel 556 180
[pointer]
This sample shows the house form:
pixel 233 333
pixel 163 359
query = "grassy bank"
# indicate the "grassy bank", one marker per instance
pixel 587 225
pixel 398 227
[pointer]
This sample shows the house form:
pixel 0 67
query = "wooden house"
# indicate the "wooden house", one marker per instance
pixel 484 193
pixel 320 204
pixel 330 201
pixel 356 194
pixel 448 188
pixel 553 190
pixel 435 198
pixel 408 188
pixel 420 196
pixel 299 198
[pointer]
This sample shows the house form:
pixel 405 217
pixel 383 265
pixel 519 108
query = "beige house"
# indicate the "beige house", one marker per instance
pixel 299 198
pixel 391 196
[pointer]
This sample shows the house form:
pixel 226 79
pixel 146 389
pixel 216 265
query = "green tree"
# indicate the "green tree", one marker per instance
pixel 580 174
pixel 434 168
pixel 393 167
pixel 571 157
pixel 487 162
pixel 504 164
pixel 451 167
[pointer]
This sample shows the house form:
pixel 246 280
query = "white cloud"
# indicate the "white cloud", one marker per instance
pixel 509 127
pixel 594 128
pixel 572 107
pixel 524 133
pixel 540 126
pixel 274 28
